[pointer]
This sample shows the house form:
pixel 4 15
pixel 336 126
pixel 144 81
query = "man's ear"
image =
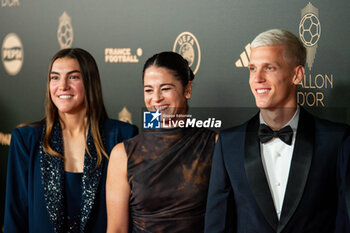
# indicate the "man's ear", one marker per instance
pixel 299 74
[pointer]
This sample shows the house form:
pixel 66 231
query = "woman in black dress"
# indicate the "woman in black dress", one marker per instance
pixel 158 181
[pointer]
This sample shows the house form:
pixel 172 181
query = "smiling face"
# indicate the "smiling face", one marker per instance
pixel 164 92
pixel 272 79
pixel 66 86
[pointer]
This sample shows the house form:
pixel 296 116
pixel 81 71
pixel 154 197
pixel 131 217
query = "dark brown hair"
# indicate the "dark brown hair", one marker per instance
pixel 173 62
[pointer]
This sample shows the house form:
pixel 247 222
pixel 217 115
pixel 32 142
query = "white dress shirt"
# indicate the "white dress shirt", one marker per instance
pixel 276 157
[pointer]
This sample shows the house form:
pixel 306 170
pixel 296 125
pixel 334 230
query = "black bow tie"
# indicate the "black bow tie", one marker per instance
pixel 266 134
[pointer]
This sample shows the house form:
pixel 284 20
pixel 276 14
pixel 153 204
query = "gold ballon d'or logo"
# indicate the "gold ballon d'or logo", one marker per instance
pixel 187 45
pixel 65 33
pixel 310 31
pixel 12 54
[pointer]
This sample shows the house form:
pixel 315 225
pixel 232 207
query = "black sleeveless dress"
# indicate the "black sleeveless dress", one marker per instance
pixel 168 172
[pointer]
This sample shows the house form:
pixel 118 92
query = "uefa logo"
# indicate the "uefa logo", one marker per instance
pixel 187 45
pixel 12 54
pixel 151 120
pixel 65 33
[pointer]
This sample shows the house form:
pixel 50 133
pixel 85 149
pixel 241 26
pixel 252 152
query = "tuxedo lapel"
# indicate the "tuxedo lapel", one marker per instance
pixel 300 166
pixel 256 173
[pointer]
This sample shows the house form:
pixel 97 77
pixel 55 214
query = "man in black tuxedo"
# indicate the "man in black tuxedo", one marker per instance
pixel 344 194
pixel 279 171
pixel 346 155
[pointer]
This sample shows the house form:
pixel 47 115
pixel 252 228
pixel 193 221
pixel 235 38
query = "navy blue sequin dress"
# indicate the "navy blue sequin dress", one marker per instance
pixel 73 200
pixel 36 191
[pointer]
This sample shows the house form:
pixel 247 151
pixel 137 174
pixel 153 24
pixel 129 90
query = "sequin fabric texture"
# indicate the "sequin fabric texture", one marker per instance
pixel 52 172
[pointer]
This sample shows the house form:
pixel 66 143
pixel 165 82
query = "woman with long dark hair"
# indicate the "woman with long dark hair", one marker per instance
pixel 158 181
pixel 57 166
